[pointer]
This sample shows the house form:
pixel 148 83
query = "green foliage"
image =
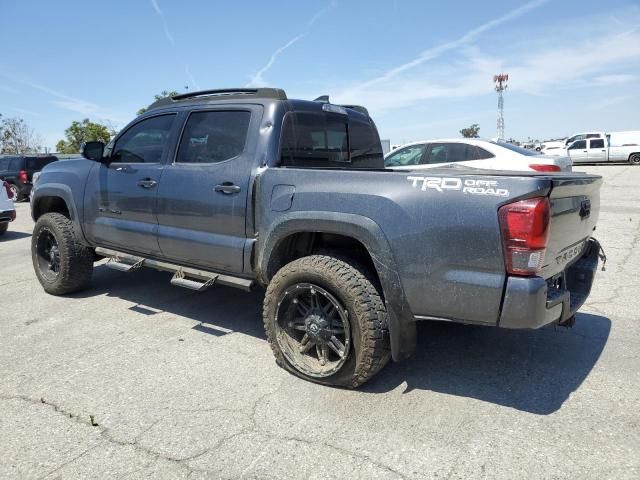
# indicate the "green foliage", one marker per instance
pixel 81 132
pixel 159 96
pixel 472 131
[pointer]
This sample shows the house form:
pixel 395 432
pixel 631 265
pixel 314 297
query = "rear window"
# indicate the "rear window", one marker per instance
pixel 4 163
pixel 513 148
pixel 16 163
pixel 329 140
pixel 213 136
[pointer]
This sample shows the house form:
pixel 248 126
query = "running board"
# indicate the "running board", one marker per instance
pixel 118 264
pixel 187 277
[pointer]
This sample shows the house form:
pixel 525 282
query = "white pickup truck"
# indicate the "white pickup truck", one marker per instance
pixel 600 147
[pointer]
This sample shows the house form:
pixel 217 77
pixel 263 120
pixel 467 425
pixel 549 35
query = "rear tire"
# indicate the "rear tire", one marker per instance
pixel 3 227
pixel 339 299
pixel 16 192
pixel 62 264
pixel 634 159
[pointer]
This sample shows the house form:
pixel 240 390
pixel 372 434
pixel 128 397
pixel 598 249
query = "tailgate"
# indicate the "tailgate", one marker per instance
pixel 575 205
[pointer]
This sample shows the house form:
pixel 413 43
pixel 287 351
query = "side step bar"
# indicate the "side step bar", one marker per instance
pixel 187 277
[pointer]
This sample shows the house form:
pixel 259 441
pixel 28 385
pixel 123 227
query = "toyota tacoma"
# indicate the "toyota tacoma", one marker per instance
pixel 247 188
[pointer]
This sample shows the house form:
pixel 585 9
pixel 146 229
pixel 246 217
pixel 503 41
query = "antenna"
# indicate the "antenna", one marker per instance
pixel 501 85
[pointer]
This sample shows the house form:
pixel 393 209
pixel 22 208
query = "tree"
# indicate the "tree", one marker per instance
pixel 81 132
pixel 471 132
pixel 16 137
pixel 160 96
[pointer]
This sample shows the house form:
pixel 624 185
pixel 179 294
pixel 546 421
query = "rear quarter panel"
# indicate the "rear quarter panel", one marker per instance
pixel 445 244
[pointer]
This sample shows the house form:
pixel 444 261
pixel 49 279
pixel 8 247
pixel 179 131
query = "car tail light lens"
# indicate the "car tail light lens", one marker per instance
pixel 9 191
pixel 525 233
pixel 544 168
pixel 22 175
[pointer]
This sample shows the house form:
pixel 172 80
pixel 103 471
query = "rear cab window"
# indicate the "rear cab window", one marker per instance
pixel 329 140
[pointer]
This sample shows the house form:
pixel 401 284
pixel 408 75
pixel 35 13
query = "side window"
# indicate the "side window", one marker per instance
pixel 214 136
pixel 144 142
pixel 478 153
pixel 314 140
pixel 449 152
pixel 364 142
pixel 437 153
pixel 411 155
pixel 593 135
pixel 580 144
pixel 597 143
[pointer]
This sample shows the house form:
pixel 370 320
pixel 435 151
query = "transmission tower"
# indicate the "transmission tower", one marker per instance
pixel 501 85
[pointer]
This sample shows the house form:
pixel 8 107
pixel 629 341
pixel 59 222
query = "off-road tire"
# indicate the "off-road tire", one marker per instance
pixel 76 260
pixel 3 227
pixel 349 283
pixel 634 159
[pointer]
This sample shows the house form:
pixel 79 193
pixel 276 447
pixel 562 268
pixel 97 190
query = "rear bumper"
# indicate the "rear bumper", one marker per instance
pixel 7 216
pixel 532 302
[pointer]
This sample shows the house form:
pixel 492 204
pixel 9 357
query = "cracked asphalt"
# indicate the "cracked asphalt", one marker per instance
pixel 135 378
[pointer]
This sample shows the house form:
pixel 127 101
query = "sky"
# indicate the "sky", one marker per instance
pixel 424 69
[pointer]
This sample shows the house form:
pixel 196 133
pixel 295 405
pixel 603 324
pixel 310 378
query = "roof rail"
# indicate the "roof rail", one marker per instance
pixel 275 93
pixel 271 93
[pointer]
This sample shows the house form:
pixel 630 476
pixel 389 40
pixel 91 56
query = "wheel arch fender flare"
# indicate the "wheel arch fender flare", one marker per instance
pixel 63 192
pixel 402 329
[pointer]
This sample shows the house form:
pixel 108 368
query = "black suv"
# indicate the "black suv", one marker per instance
pixel 18 172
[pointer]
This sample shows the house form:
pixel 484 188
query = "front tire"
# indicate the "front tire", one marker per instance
pixel 62 264
pixel 634 159
pixel 326 322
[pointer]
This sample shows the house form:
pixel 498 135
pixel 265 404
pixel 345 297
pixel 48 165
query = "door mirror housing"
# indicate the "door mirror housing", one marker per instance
pixel 93 151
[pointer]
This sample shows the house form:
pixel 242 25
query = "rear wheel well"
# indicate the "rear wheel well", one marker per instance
pixel 50 205
pixel 302 244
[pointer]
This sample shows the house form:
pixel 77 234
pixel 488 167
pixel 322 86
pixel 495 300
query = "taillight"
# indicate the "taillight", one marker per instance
pixel 525 233
pixel 22 175
pixel 8 189
pixel 544 168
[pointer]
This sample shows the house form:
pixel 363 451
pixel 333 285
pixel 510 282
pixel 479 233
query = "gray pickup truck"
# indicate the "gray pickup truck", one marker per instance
pixel 248 188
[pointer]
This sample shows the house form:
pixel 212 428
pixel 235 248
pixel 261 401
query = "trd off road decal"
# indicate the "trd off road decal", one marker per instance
pixel 469 186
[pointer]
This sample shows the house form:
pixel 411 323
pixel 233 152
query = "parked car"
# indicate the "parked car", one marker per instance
pixel 246 187
pixel 598 150
pixel 477 153
pixel 553 149
pixel 7 209
pixel 18 170
pixel 615 139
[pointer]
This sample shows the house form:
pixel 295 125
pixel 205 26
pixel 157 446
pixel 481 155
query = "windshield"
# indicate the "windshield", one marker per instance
pixel 513 148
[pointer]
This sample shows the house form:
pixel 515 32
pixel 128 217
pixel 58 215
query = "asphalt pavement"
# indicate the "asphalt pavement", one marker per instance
pixel 135 378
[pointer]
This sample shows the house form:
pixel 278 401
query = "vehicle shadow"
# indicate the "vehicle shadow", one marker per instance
pixel 219 310
pixel 530 370
pixel 12 235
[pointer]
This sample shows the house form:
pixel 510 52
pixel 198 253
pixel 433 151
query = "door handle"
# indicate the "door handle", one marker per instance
pixel 227 188
pixel 584 151
pixel 147 183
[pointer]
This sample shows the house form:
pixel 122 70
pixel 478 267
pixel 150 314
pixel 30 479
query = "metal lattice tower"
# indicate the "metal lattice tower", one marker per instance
pixel 501 85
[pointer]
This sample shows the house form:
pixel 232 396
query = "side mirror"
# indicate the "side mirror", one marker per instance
pixel 92 151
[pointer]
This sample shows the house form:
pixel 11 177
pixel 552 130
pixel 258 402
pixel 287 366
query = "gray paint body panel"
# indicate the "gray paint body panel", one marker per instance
pixel 437 251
